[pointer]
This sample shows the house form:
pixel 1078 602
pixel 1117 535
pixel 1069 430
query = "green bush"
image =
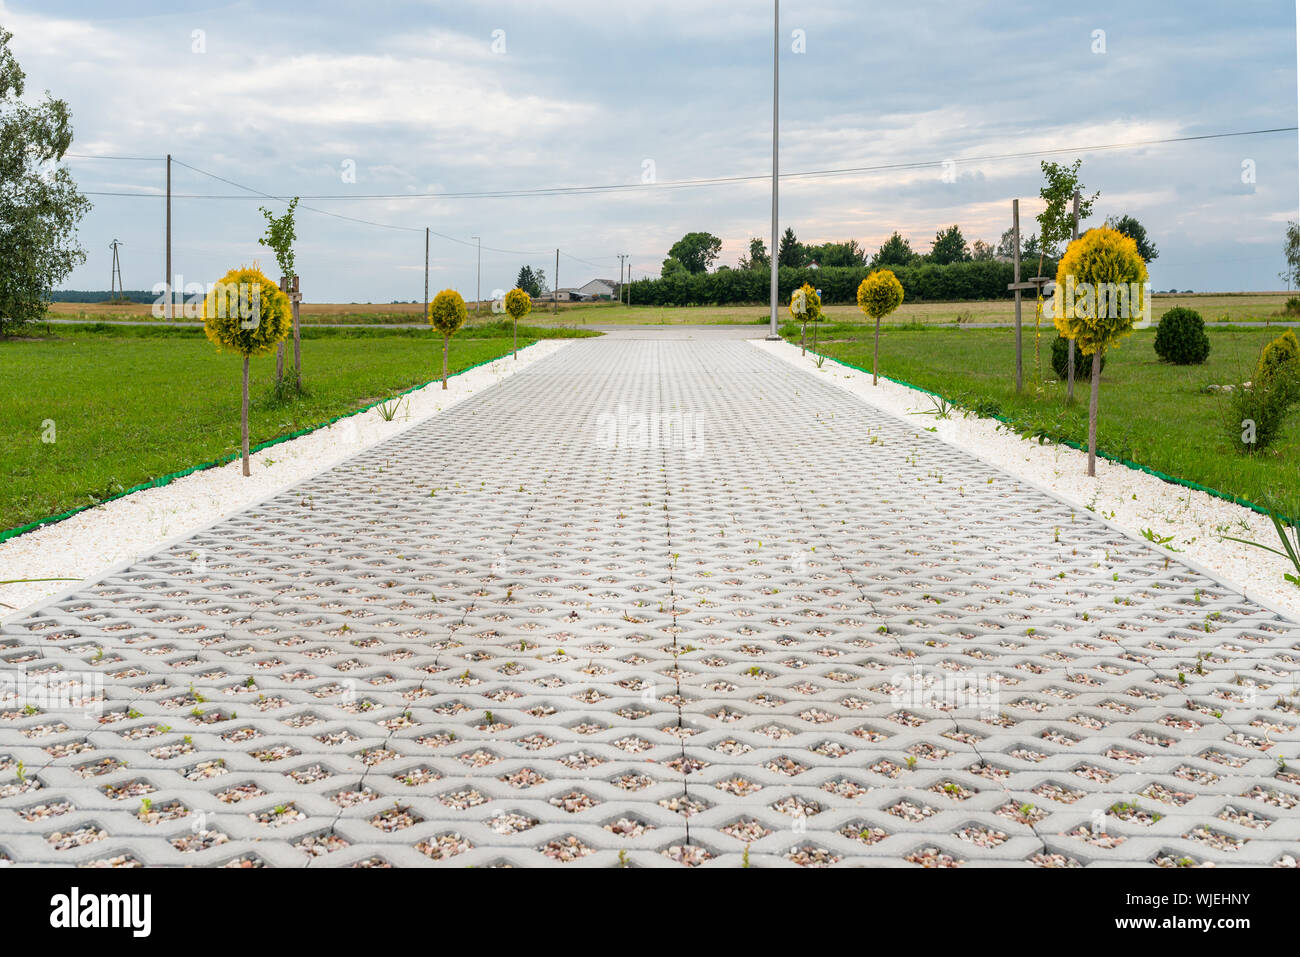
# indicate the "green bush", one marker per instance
pixel 1082 363
pixel 1181 337
pixel 983 406
pixel 1280 359
pixel 1257 411
pixel 1256 415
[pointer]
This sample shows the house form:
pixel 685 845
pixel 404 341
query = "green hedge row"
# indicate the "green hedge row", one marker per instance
pixel 922 282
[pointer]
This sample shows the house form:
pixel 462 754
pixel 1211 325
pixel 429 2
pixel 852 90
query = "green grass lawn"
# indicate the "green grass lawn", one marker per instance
pixel 1151 413
pixel 130 404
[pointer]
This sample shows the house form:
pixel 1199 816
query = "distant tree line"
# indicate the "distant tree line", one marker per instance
pixel 922 282
pixel 952 269
pixel 100 295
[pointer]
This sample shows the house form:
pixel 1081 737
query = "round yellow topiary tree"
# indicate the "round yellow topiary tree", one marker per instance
pixel 518 304
pixel 879 295
pixel 1103 278
pixel 447 314
pixel 246 313
pixel 806 307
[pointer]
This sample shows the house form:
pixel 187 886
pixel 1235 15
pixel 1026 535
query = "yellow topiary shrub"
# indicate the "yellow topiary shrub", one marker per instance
pixel 1099 257
pixel 246 313
pixel 1105 269
pixel 805 304
pixel 518 304
pixel 447 314
pixel 227 313
pixel 879 295
pixel 806 307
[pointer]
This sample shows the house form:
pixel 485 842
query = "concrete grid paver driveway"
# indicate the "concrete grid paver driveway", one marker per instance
pixel 794 625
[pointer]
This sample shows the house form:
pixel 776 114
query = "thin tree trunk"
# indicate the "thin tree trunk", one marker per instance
pixel 1092 413
pixel 1038 324
pixel 446 339
pixel 875 356
pixel 803 334
pixel 515 323
pixel 243 417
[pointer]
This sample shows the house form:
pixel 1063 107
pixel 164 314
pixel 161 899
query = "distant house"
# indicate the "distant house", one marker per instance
pixel 599 289
pixel 567 295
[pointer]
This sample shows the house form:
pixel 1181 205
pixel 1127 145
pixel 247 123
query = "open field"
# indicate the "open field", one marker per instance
pixel 314 313
pixel 128 405
pixel 1150 412
pixel 1213 307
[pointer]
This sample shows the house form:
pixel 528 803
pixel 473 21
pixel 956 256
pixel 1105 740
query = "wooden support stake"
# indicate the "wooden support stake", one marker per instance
pixel 296 298
pixel 1069 384
pixel 279 346
pixel 1020 352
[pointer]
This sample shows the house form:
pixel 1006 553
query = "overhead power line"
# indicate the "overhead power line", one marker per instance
pixel 719 180
pixel 104 156
pixel 367 222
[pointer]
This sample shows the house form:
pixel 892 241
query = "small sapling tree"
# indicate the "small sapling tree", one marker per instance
pixel 279 238
pixel 246 313
pixel 518 304
pixel 1103 265
pixel 879 295
pixel 806 307
pixel 447 314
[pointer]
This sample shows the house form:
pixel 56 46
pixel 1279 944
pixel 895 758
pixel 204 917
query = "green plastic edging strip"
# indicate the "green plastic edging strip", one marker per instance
pixel 167 479
pixel 1127 463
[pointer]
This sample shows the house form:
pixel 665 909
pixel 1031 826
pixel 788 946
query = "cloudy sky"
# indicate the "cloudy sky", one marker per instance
pixel 432 97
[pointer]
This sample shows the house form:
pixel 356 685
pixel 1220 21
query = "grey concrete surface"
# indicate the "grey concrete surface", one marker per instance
pixel 649 602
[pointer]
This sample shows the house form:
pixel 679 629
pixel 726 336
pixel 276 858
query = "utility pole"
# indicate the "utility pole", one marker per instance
pixel 776 100
pixel 478 283
pixel 168 312
pixel 555 288
pixel 425 317
pixel 115 281
pixel 621 258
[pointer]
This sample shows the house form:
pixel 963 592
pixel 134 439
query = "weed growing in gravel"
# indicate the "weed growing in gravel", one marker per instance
pixel 1152 536
pixel 388 410
pixel 940 408
pixel 1290 543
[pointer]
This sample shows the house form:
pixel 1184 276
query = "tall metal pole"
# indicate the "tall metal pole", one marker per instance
pixel 776 101
pixel 115 281
pixel 425 317
pixel 168 313
pixel 555 288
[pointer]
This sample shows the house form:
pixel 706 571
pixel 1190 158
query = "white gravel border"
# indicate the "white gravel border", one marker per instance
pixel 97 539
pixel 1124 497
